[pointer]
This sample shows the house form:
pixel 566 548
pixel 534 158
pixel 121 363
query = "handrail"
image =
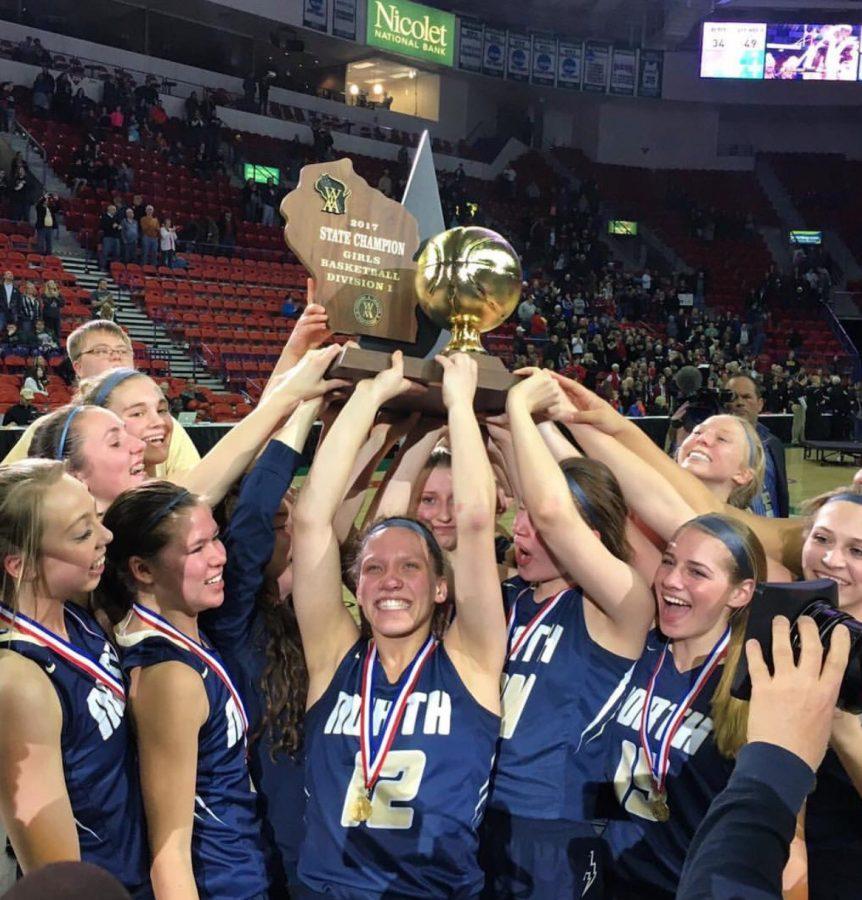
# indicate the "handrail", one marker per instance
pixel 841 333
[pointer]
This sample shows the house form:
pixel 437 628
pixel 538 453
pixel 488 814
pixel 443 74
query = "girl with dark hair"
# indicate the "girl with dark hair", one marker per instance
pixel 165 570
pixel 68 781
pixel 578 615
pixel 401 723
pixel 256 633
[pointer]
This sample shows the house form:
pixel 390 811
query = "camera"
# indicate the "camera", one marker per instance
pixel 702 404
pixel 819 600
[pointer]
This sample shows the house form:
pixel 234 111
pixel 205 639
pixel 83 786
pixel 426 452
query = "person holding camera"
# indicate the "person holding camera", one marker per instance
pixel 46 223
pixel 742 846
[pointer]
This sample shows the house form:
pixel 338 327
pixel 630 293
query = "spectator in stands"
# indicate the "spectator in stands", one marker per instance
pixel 774 499
pixel 384 183
pixel 14 342
pixel 23 413
pixel 227 229
pixel 129 232
pixel 45 341
pixel 7 106
pixel 125 178
pixel 839 403
pixel 81 106
pixel 19 194
pixel 29 309
pixel 250 200
pixel 52 303
pixel 10 299
pixel 117 118
pixel 192 106
pixel 157 116
pixel 46 223
pixel 110 228
pixel 43 93
pixel 168 242
pixel 268 200
pixel 150 236
pixel 35 379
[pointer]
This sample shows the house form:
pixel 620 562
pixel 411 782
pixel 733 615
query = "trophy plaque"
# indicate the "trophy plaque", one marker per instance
pixel 362 250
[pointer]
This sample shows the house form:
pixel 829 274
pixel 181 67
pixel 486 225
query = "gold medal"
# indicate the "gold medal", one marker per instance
pixel 360 811
pixel 658 806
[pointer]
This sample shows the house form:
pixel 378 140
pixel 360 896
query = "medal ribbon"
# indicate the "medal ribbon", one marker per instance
pixel 660 763
pixel 541 614
pixel 160 624
pixel 372 760
pixel 75 656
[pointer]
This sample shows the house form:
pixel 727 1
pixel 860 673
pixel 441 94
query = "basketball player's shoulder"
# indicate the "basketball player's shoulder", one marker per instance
pixel 24 687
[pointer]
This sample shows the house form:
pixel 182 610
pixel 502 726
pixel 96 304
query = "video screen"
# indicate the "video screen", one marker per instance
pixel 622 227
pixel 812 52
pixel 800 236
pixel 260 173
pixel 733 50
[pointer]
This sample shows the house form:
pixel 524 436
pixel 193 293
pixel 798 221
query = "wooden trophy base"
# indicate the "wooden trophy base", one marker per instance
pixel 354 364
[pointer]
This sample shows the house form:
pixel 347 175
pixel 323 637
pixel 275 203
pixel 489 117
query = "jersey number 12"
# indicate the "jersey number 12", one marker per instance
pixel 398 783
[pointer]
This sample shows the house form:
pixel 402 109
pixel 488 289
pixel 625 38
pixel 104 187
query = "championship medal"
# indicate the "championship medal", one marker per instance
pixel 373 752
pixel 659 763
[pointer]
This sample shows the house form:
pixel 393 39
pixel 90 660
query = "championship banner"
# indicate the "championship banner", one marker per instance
pixel 470 44
pixel 544 69
pixel 597 66
pixel 315 14
pixel 344 19
pixel 570 64
pixel 518 56
pixel 650 71
pixel 494 55
pixel 623 72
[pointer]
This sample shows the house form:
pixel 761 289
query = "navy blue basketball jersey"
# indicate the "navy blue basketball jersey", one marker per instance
pixel 421 837
pixel 648 855
pixel 833 833
pixel 99 763
pixel 559 686
pixel 227 852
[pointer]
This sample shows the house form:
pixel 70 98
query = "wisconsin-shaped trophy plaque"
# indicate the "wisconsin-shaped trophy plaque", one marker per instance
pixel 358 246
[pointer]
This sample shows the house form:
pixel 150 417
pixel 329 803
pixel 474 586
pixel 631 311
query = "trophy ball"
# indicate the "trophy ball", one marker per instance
pixel 469 280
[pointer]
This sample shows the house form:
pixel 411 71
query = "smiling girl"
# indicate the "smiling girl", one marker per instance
pixel 68 780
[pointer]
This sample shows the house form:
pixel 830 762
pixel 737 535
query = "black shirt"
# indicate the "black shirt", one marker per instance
pixel 18 414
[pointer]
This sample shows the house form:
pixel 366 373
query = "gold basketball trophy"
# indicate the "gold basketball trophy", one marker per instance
pixel 362 250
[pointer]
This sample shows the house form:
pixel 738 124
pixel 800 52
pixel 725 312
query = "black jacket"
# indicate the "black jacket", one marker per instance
pixel 773 446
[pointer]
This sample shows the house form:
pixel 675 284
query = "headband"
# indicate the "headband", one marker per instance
pixel 752 450
pixel 157 515
pixel 716 526
pixel 61 445
pixel 587 511
pixel 845 497
pixel 117 377
pixel 403 522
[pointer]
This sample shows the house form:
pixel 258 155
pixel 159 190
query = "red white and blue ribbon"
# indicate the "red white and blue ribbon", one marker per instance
pixel 372 760
pixel 541 614
pixel 160 624
pixel 659 763
pixel 75 656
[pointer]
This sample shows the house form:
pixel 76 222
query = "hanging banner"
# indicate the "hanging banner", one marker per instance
pixel 597 66
pixel 650 70
pixel 570 64
pixel 470 46
pixel 494 56
pixel 518 50
pixel 544 70
pixel 315 14
pixel 624 72
pixel 344 19
pixel 411 29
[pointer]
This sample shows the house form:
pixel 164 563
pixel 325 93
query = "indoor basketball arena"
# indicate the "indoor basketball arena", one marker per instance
pixel 552 307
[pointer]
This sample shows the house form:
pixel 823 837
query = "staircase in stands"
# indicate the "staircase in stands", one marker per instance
pixel 141 328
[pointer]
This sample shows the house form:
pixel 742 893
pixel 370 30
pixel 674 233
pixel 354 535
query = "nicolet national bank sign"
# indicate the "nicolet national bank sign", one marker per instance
pixel 412 30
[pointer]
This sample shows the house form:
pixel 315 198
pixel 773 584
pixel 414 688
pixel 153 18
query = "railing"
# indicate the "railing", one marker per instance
pixel 844 338
pixel 33 151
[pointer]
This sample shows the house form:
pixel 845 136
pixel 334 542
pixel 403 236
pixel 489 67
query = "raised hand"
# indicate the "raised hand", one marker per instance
pixel 589 408
pixel 539 392
pixel 312 327
pixel 390 382
pixel 460 377
pixel 306 379
pixel 794 707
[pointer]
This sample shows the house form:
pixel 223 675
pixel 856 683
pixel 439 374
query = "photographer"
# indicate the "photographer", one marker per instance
pixel 46 223
pixel 742 845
